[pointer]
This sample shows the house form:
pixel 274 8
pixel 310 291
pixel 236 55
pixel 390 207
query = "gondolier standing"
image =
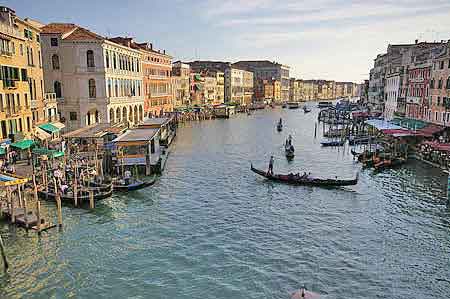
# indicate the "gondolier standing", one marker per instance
pixel 271 161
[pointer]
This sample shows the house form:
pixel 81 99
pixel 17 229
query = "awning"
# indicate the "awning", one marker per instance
pixel 430 130
pixel 197 78
pixel 23 144
pixel 48 152
pixel 58 125
pixel 409 123
pixel 2 151
pixel 49 128
pixel 41 134
pixel 398 132
pixel 381 124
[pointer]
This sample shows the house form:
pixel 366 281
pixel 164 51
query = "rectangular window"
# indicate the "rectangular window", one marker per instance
pixel 21 49
pixel 24 74
pixel 54 42
pixel 73 116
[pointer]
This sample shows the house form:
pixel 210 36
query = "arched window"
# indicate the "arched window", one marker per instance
pixel 116 88
pixel 114 61
pixel 55 62
pixel 90 58
pixel 92 91
pixel 96 116
pixel 57 89
pixel 107 58
pixel 109 88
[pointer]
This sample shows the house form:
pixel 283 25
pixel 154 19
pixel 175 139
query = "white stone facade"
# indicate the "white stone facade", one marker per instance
pixel 90 87
pixel 392 91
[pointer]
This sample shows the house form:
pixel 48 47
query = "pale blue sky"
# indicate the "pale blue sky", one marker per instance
pixel 329 39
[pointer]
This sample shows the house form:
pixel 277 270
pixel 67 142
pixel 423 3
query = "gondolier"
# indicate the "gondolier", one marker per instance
pixel 271 161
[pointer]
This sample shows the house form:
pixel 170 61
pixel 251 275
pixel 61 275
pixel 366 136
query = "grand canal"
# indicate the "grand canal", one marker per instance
pixel 212 229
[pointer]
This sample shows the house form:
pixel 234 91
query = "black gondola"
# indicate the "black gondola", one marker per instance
pixel 289 151
pixel 305 179
pixel 83 196
pixel 133 186
pixel 279 127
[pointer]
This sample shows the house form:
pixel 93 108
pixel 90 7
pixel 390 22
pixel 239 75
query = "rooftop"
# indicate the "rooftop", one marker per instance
pixel 95 131
pixel 137 135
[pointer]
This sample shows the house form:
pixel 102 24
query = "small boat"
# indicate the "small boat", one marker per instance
pixel 306 109
pixel 293 105
pixel 352 140
pixel 120 186
pixel 325 104
pixel 83 196
pixel 296 179
pixel 389 163
pixel 333 143
pixel 284 105
pixel 289 151
pixel 279 127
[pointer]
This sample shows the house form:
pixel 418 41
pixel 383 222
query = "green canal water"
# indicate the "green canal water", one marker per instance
pixel 210 228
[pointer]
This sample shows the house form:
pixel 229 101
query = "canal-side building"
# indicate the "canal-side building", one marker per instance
pixel 238 86
pixel 95 80
pixel 23 103
pixel 417 100
pixel 157 71
pixel 440 88
pixel 267 70
pixel 180 84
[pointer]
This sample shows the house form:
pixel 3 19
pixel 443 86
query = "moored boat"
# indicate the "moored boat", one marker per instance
pixel 82 196
pixel 306 109
pixel 352 140
pixel 297 179
pixel 121 186
pixel 324 104
pixel 389 163
pixel 333 142
pixel 293 105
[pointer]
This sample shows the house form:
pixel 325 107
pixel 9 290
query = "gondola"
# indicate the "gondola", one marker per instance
pixel 389 163
pixel 133 186
pixel 279 127
pixel 83 196
pixel 289 151
pixel 333 143
pixel 305 179
pixel 352 140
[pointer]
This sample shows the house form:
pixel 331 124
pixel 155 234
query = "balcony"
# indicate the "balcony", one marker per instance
pixel 9 83
pixel 6 53
pixel 10 30
pixel 413 100
pixel 50 99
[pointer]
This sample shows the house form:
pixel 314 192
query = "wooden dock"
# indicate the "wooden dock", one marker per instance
pixel 27 220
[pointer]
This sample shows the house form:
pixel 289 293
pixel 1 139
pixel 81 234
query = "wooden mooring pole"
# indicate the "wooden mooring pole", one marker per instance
pixel 5 260
pixel 58 205
pixel 91 199
pixel 38 216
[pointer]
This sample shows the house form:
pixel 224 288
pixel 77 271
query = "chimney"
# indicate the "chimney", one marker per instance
pixel 164 51
pixel 416 41
pixel 151 46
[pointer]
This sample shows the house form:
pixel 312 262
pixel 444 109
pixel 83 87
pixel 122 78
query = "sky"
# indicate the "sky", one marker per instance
pixel 326 39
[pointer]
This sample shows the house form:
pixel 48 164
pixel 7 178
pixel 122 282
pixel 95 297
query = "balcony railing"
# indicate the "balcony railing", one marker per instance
pixel 9 83
pixel 6 53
